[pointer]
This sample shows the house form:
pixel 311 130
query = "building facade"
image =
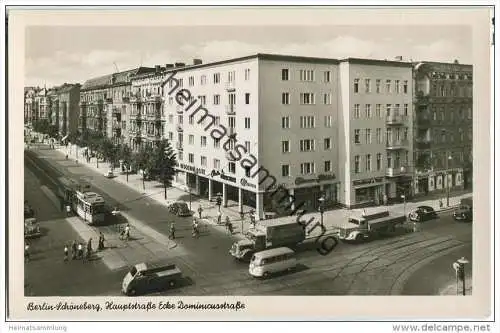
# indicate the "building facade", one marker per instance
pixel 104 104
pixel 443 126
pixel 29 104
pixel 375 131
pixel 67 113
pixel 299 124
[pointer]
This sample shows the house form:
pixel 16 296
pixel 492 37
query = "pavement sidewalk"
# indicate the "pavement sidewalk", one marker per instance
pixel 145 244
pixel 332 219
pixel 451 288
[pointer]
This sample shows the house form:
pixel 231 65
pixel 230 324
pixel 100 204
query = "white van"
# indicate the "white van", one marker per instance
pixel 272 261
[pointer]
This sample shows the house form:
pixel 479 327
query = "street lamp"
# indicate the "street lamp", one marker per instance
pixel 459 267
pixel 404 205
pixel 189 189
pixel 448 182
pixel 321 209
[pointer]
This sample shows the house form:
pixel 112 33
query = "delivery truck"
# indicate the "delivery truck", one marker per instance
pixel 364 226
pixel 146 277
pixel 266 235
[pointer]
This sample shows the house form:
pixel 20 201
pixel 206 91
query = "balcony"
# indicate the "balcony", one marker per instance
pixel 231 132
pixel 422 144
pixel 230 155
pixel 125 99
pixel 230 86
pixel 154 115
pixel 116 111
pixel 423 121
pixel 396 144
pixel 135 99
pixel 109 100
pixel 116 125
pixel 395 119
pixel 230 109
pixel 396 172
pixel 179 109
pixel 179 146
pixel 154 98
pixel 179 128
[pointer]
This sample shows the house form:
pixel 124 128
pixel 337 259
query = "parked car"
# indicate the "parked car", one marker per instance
pixel 31 228
pixel 179 208
pixel 422 213
pixel 28 211
pixel 109 174
pixel 463 213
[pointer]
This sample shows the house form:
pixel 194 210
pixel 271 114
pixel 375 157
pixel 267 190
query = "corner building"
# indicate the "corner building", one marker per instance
pixel 317 127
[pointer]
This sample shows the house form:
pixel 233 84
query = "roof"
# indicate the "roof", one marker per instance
pixel 276 251
pixel 378 62
pixel 442 66
pixel 114 79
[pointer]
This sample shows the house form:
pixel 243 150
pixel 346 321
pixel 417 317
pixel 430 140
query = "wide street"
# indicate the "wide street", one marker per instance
pixel 380 267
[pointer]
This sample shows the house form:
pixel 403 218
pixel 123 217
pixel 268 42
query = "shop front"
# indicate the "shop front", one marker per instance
pixel 368 192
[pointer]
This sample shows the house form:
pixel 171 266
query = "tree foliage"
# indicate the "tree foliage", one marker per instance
pixel 163 163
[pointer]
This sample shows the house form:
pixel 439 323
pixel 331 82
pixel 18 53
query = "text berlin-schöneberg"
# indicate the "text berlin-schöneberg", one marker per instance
pixel 218 132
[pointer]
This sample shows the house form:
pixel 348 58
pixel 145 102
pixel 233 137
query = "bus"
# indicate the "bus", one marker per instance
pixel 90 207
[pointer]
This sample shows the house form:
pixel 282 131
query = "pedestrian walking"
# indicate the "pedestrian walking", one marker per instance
pixel 80 251
pixel 172 231
pixel 219 218
pixel 68 210
pixel 66 252
pixel 127 232
pixel 441 203
pixel 101 242
pixel 200 210
pixel 242 215
pixel 73 250
pixel 196 232
pixel 228 223
pixel 26 252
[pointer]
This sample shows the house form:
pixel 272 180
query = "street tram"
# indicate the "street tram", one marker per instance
pixel 88 205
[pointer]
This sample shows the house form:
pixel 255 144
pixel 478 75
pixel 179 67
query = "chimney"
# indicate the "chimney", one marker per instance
pixel 455 61
pixel 169 65
pixel 180 64
pixel 197 62
pixel 399 58
pixel 157 68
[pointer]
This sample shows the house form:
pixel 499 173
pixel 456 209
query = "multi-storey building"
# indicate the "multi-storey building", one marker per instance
pixel 104 101
pixel 92 115
pixel 375 130
pixel 278 116
pixel 29 104
pixel 443 126
pixel 68 98
pixel 42 105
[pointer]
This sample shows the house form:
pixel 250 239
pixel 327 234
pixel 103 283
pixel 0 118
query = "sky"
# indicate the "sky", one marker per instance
pixel 61 54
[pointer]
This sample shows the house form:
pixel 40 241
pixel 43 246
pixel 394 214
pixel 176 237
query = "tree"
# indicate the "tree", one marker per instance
pixel 125 154
pixel 424 162
pixel 163 164
pixel 143 160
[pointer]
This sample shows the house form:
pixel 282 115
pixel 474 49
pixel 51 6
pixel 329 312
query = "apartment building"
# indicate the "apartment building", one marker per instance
pixel 29 104
pixel 66 104
pixel 375 131
pixel 443 126
pixel 104 103
pixel 245 126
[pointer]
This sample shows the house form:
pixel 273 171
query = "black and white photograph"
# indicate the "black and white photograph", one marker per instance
pixel 164 161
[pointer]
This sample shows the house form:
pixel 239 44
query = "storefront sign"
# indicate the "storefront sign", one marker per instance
pixel 367 181
pixel 228 178
pixel 191 168
pixel 214 173
pixel 320 178
pixel 244 182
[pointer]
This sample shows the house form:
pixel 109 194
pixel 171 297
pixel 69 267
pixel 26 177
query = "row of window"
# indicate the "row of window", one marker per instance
pixel 306 75
pixel 396 86
pixel 391 134
pixel 451 114
pixel 306 122
pixel 391 162
pixel 390 109
pixel 306 145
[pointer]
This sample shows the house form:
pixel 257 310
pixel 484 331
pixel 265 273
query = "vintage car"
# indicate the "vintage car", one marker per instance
pixel 31 228
pixel 179 208
pixel 463 213
pixel 422 213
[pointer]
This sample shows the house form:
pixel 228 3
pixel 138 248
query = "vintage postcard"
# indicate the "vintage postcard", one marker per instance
pixel 250 163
